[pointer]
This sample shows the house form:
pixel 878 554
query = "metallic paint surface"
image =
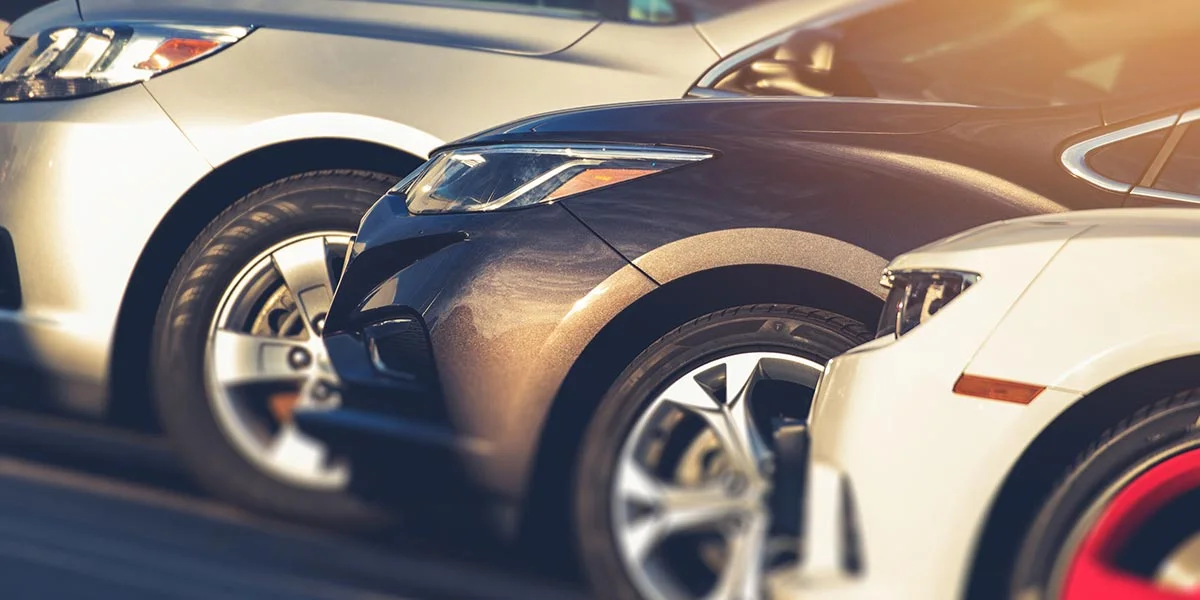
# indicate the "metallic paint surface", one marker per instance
pixel 509 308
pixel 56 186
pixel 401 75
pixel 512 298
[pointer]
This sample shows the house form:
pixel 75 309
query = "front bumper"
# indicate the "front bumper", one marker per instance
pixel 83 185
pixel 452 335
pixel 904 471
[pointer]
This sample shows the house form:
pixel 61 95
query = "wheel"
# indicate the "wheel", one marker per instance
pixel 674 474
pixel 238 333
pixel 1124 522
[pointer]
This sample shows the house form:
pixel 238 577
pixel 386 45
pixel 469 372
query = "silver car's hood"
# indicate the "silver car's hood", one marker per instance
pixel 514 32
pixel 54 14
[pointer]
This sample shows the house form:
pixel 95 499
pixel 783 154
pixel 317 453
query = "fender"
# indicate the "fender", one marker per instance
pixel 238 141
pixel 1096 312
pixel 765 246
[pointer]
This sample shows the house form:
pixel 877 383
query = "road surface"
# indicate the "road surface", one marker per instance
pixel 83 516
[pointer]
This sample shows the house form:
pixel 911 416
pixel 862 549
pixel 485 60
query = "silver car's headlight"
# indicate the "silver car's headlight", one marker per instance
pixel 917 295
pixel 487 178
pixel 87 59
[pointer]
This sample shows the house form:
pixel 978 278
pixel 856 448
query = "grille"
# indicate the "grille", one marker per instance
pixel 400 348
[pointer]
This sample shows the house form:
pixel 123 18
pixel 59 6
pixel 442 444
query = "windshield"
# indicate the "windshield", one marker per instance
pixel 988 52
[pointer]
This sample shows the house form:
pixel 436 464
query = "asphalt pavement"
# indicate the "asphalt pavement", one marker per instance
pixel 89 513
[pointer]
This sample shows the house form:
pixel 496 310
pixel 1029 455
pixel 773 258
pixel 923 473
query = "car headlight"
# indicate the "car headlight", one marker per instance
pixel 917 295
pixel 88 59
pixel 490 178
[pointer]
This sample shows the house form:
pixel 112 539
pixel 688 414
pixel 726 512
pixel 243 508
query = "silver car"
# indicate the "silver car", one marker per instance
pixel 179 179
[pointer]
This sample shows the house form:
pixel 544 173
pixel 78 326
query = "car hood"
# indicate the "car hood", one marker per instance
pixel 1109 222
pixel 738 117
pixel 510 32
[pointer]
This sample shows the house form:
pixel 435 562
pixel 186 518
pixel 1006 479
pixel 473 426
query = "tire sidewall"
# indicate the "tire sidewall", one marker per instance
pixel 306 204
pixel 673 356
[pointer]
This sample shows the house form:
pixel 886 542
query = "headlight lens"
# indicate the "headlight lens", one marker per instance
pixel 918 295
pixel 489 178
pixel 88 59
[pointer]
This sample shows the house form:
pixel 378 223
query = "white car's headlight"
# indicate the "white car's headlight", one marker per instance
pixel 88 59
pixel 501 177
pixel 917 295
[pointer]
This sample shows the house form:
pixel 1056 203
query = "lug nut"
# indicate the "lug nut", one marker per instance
pixel 767 466
pixel 736 484
pixel 319 324
pixel 299 358
pixel 321 391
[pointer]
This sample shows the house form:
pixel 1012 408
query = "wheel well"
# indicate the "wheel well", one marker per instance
pixel 631 332
pixel 129 401
pixel 1044 463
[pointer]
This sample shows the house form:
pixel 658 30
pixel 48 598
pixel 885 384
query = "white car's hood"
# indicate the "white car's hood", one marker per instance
pixel 513 32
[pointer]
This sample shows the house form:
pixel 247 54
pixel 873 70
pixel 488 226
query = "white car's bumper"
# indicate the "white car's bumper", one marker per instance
pixel 903 471
pixel 903 475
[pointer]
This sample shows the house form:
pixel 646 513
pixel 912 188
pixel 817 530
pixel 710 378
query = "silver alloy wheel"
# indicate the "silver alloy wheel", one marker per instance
pixel 709 489
pixel 265 355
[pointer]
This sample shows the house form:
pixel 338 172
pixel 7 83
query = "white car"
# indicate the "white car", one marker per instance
pixel 1039 437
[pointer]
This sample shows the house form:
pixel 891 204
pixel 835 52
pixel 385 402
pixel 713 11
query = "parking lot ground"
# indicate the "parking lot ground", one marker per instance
pixel 83 516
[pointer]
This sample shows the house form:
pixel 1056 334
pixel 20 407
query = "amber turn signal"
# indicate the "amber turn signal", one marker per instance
pixel 173 53
pixel 996 389
pixel 597 178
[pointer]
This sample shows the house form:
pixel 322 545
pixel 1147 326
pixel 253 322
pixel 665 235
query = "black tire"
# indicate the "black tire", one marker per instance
pixel 310 202
pixel 810 333
pixel 1117 457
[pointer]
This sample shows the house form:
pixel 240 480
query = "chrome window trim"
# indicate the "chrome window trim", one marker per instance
pixel 1074 158
pixel 736 59
pixel 1146 192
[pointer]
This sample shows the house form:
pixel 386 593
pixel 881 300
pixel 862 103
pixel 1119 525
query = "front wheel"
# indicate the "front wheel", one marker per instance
pixel 675 472
pixel 238 334
pixel 1125 521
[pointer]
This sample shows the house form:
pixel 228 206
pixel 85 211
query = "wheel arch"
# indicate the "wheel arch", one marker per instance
pixel 1045 460
pixel 652 316
pixel 128 394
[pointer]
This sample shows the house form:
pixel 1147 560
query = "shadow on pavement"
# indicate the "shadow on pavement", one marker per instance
pixel 77 525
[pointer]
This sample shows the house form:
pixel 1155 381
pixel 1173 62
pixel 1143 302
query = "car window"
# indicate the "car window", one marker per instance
pixel 1126 161
pixel 1181 173
pixel 986 52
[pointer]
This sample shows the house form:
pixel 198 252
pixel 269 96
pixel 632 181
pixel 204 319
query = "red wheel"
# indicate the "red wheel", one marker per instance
pixel 1095 573
pixel 1125 520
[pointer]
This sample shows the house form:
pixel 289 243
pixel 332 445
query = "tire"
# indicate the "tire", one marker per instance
pixel 811 335
pixel 1128 453
pixel 185 396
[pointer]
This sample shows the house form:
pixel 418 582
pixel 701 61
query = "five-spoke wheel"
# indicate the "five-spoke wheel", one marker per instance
pixel 675 481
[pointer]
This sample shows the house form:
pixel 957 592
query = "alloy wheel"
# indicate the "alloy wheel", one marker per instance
pixel 1143 542
pixel 692 485
pixel 265 356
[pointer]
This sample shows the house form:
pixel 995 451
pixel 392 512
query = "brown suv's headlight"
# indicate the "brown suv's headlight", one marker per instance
pixel 917 295
pixel 509 176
